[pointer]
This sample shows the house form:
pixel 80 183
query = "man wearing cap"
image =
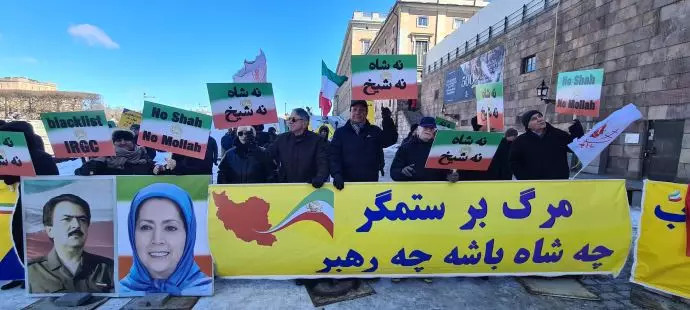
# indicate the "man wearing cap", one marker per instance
pixel 541 153
pixel 410 159
pixel 357 147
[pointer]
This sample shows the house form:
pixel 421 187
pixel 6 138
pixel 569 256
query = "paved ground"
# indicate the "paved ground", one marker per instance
pixel 443 293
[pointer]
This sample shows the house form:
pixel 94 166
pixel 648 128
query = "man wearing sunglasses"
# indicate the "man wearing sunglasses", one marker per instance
pixel 356 150
pixel 301 155
pixel 246 161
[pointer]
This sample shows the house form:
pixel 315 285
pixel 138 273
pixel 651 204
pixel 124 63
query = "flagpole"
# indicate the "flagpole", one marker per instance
pixel 583 168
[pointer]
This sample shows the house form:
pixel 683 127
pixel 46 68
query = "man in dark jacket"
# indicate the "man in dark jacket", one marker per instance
pixel 43 165
pixel 246 162
pixel 185 165
pixel 357 148
pixel 129 159
pixel 227 140
pixel 500 165
pixel 301 155
pixel 541 153
pixel 410 159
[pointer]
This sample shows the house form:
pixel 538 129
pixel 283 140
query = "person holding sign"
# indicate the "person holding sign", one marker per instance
pixel 541 153
pixel 246 162
pixel 129 159
pixel 409 161
pixel 301 155
pixel 179 164
pixel 162 233
pixel 357 148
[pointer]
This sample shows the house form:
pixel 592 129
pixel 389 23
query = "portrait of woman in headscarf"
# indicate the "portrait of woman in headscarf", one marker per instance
pixel 162 233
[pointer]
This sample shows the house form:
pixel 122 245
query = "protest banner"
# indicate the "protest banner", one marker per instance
pixel 174 130
pixel 588 147
pixel 373 77
pixel 661 261
pixel 241 104
pixel 162 236
pixel 419 229
pixel 10 266
pixel 579 92
pixel 61 215
pixel 15 158
pixel 129 118
pixel 78 134
pixel 490 105
pixel 463 150
pixel 486 68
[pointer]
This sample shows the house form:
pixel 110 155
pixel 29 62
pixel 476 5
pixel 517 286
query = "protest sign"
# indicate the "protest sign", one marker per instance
pixel 445 123
pixel 10 266
pixel 61 215
pixel 162 236
pixel 174 130
pixel 419 229
pixel 661 261
pixel 384 77
pixel 579 92
pixel 490 105
pixel 242 104
pixel 129 118
pixel 463 150
pixel 486 68
pixel 15 158
pixel 78 134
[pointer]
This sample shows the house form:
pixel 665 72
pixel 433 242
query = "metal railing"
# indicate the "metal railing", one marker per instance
pixel 529 11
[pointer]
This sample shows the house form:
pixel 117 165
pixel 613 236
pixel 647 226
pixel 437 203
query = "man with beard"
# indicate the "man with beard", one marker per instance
pixel 68 268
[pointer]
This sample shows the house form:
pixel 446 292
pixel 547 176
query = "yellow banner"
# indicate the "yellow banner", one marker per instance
pixel 660 260
pixel 129 118
pixel 416 229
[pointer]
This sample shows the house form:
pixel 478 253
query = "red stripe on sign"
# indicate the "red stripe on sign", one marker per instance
pixel 410 92
pixel 26 170
pixel 583 112
pixel 257 119
pixel 104 148
pixel 437 163
pixel 687 222
pixel 158 145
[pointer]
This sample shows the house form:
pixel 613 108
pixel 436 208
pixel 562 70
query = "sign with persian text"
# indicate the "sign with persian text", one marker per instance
pixel 78 134
pixel 463 150
pixel 15 158
pixel 384 77
pixel 174 130
pixel 413 229
pixel 242 104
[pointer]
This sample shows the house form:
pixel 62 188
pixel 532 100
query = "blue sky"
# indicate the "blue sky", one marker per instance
pixel 170 49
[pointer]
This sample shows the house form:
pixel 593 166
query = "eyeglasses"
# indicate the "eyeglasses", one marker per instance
pixel 242 133
pixel 294 119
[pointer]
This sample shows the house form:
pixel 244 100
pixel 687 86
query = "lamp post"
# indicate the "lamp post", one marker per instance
pixel 543 93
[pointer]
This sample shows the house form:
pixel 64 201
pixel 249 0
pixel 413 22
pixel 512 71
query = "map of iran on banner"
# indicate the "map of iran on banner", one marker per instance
pixel 463 150
pixel 579 92
pixel 174 130
pixel 15 158
pixel 242 104
pixel 384 77
pixel 78 134
pixel 490 104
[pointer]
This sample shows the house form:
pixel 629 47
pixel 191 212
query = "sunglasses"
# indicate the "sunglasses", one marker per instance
pixel 242 133
pixel 294 119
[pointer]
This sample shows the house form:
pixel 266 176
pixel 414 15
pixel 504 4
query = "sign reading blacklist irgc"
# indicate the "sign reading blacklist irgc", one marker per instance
pixel 78 134
pixel 484 69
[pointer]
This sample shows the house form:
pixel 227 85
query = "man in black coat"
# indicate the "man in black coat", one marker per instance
pixel 541 153
pixel 301 155
pixel 410 159
pixel 357 147
pixel 500 165
pixel 246 162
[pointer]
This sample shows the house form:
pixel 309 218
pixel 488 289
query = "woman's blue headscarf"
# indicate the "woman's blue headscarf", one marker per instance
pixel 187 275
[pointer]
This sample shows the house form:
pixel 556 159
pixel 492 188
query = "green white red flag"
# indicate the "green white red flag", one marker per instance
pixel 329 85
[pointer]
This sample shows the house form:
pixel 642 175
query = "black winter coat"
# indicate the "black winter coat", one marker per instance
pixel 300 159
pixel 541 158
pixel 499 169
pixel 359 157
pixel 245 164
pixel 415 151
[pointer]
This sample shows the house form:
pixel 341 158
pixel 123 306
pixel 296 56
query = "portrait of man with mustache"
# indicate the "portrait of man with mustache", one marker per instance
pixel 67 267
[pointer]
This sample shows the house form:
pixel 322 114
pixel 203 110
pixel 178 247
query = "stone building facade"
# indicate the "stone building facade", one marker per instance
pixel 643 47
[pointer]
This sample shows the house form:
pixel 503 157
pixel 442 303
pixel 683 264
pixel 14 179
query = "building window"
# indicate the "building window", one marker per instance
pixel 365 46
pixel 420 48
pixel 422 21
pixel 529 64
pixel 457 22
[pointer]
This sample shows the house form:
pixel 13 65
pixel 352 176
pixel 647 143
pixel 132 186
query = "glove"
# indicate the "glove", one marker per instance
pixel 576 129
pixel 338 182
pixel 170 164
pixel 317 182
pixel 453 177
pixel 408 171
